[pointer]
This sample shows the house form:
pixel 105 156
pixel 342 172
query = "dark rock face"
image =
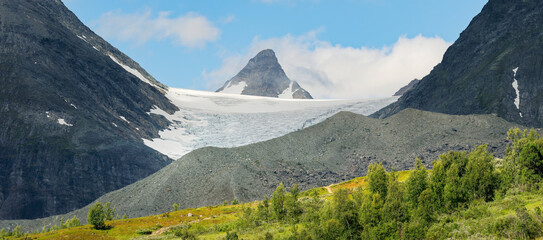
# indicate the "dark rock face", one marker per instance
pixel 477 71
pixel 72 119
pixel 407 87
pixel 263 76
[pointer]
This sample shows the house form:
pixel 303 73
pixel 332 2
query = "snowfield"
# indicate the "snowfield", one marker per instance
pixel 229 120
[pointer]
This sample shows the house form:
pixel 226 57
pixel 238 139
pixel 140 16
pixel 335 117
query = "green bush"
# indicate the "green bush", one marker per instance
pixel 72 222
pixel 97 216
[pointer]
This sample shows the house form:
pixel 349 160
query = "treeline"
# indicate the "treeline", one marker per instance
pixel 415 209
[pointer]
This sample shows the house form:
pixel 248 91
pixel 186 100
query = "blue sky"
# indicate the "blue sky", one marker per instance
pixel 334 49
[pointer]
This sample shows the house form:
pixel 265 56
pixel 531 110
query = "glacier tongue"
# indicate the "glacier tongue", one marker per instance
pixel 226 120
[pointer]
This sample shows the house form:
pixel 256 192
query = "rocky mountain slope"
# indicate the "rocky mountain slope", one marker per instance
pixel 73 110
pixel 337 149
pixel 407 87
pixel 495 66
pixel 263 76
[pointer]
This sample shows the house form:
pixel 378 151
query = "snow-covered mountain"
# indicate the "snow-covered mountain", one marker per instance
pixel 263 76
pixel 229 120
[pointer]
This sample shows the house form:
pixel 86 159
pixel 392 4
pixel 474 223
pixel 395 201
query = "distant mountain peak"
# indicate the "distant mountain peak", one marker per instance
pixel 264 76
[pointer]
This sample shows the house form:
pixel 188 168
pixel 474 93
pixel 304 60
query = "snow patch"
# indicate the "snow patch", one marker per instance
pixel 124 119
pixel 226 120
pixel 287 94
pixel 83 38
pixel 515 86
pixel 115 125
pixel 63 122
pixel 95 48
pixel 71 104
pixel 131 70
pixel 235 88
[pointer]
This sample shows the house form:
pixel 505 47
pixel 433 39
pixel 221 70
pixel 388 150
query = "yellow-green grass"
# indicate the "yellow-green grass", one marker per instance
pixel 126 228
pixel 208 219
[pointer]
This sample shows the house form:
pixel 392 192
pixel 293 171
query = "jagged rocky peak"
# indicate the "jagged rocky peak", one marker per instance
pixel 264 76
pixel 495 67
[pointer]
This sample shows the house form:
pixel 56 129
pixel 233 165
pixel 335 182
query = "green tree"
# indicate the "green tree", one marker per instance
pixel 262 211
pixel 395 207
pixel 175 207
pixel 291 203
pixel 344 211
pixel 531 162
pixel 311 209
pixel 377 179
pixel 278 202
pixel 370 212
pixel 425 209
pixel 109 212
pixel 478 179
pixel 522 164
pixel 97 216
pixel 332 229
pixel 416 183
pixel 453 193
pixel 235 201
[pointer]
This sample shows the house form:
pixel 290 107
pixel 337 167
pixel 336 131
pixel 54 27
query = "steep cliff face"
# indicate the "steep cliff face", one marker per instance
pixel 263 76
pixel 73 110
pixel 495 66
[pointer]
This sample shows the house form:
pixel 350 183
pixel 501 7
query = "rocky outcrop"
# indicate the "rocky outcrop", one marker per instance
pixel 72 116
pixel 263 76
pixel 407 87
pixel 495 67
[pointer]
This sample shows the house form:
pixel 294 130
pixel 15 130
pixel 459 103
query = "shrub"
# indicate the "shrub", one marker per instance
pixel 73 222
pixel 97 216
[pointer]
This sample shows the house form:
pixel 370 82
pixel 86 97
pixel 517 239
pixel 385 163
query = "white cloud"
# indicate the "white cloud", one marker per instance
pixel 190 30
pixel 334 71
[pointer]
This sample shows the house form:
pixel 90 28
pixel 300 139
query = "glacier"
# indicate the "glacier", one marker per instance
pixel 230 120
